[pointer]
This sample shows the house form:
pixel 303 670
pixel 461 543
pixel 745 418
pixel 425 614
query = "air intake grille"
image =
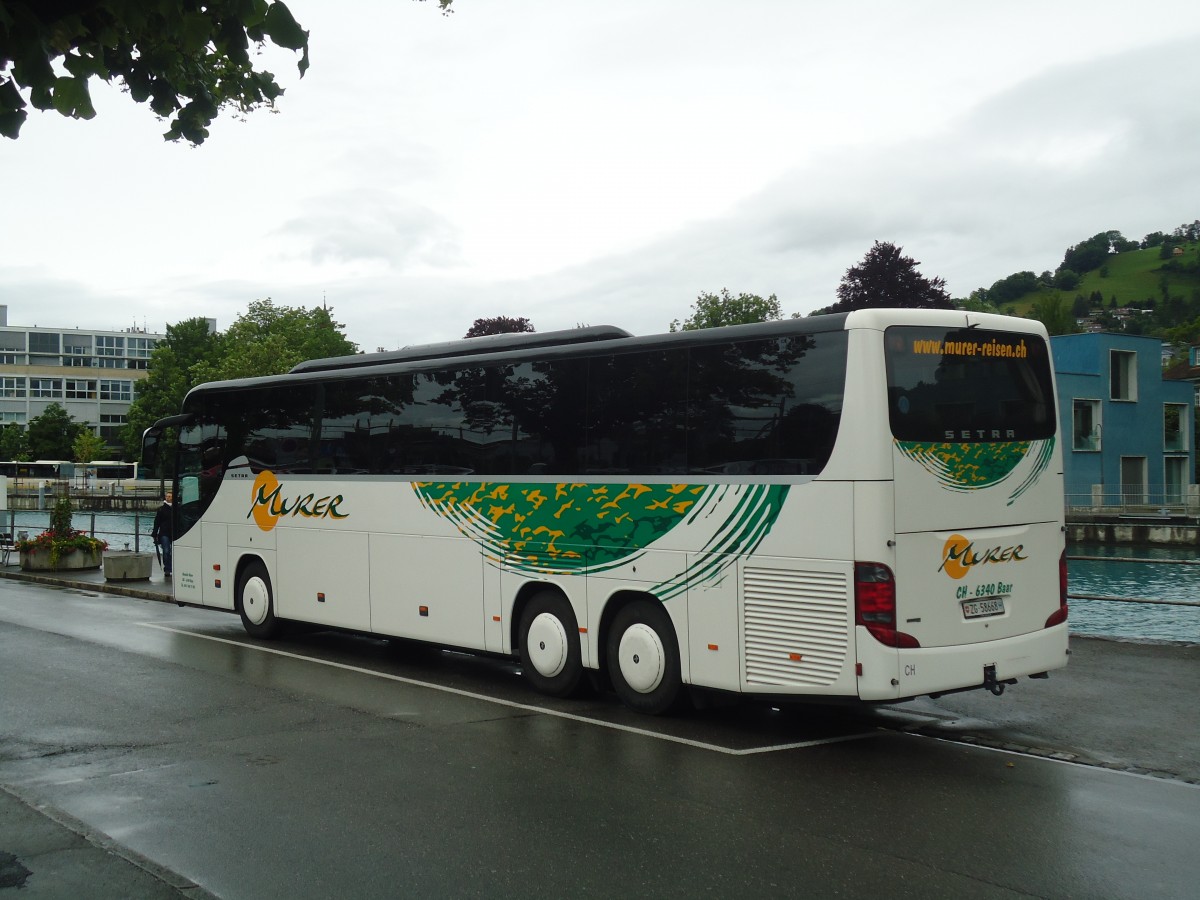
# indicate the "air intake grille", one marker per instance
pixel 793 614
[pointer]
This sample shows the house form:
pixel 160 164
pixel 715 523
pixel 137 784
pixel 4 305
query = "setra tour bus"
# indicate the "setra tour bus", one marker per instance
pixel 866 505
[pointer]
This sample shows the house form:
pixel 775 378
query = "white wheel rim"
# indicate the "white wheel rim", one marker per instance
pixel 256 600
pixel 642 658
pixel 546 645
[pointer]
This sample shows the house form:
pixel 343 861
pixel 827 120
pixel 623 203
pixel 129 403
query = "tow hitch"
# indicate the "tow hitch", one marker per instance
pixel 991 684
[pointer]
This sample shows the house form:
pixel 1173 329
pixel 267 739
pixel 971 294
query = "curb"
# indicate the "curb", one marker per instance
pixel 103 587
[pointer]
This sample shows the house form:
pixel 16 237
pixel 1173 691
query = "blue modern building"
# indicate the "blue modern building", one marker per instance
pixel 1127 433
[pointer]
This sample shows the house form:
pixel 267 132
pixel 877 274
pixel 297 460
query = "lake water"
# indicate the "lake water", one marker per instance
pixel 1167 577
pixel 1106 576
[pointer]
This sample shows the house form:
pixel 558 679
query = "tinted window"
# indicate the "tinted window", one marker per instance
pixel 753 408
pixel 637 413
pixel 768 407
pixel 968 385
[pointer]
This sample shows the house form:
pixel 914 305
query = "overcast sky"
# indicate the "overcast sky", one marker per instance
pixel 603 163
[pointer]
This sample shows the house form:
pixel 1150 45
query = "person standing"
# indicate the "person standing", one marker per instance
pixel 163 533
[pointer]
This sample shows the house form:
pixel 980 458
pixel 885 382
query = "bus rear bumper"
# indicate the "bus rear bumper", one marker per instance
pixel 934 670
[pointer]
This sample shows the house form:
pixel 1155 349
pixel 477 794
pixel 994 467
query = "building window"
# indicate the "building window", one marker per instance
pixel 79 389
pixel 1086 425
pixel 44 343
pixel 1175 426
pixel 12 359
pixel 1174 477
pixel 7 418
pixel 116 390
pixel 110 346
pixel 45 387
pixel 12 387
pixel 1122 373
pixel 141 347
pixel 112 427
pixel 1133 479
pixel 109 362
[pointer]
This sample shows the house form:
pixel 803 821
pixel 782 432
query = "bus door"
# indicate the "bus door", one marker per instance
pixel 978 483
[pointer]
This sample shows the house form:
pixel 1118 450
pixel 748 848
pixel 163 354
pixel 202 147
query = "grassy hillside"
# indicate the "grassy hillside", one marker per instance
pixel 1132 277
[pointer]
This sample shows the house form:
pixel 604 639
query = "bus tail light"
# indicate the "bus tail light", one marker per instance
pixel 875 604
pixel 1060 615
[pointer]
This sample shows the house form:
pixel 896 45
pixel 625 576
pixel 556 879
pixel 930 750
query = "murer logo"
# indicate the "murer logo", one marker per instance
pixel 959 556
pixel 269 505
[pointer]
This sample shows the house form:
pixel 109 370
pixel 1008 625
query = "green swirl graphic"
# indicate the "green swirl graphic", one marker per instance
pixel 584 527
pixel 970 467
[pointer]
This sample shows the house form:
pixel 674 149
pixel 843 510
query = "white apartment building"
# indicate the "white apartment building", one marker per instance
pixel 89 373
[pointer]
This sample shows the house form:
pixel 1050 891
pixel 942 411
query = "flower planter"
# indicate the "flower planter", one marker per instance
pixel 127 565
pixel 38 560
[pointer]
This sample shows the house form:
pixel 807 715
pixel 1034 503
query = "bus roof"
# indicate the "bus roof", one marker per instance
pixel 552 346
pixel 490 343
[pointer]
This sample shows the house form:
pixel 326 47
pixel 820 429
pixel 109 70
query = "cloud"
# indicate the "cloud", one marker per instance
pixel 372 226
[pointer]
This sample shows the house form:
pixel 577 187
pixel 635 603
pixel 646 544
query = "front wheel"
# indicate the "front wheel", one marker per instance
pixel 550 654
pixel 643 658
pixel 255 602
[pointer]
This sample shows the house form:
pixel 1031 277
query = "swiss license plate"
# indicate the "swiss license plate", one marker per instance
pixel 988 606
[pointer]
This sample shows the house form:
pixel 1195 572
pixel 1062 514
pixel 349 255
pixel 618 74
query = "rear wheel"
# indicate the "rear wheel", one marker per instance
pixel 643 658
pixel 550 655
pixel 255 602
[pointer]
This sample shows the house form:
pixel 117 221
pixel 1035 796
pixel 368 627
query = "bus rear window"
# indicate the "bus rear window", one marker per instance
pixel 968 385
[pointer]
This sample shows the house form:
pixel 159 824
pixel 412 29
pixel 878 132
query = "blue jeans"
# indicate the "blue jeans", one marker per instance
pixel 164 544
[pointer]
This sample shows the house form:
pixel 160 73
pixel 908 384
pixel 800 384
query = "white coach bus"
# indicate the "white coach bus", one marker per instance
pixel 866 505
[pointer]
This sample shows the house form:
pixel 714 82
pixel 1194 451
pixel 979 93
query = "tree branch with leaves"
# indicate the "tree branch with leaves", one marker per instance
pixel 188 59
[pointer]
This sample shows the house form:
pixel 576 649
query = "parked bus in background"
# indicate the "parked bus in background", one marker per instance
pixel 110 470
pixel 866 505
pixel 38 469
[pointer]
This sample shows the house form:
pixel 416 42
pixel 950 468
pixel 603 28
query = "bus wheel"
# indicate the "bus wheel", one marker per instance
pixel 550 655
pixel 255 602
pixel 643 658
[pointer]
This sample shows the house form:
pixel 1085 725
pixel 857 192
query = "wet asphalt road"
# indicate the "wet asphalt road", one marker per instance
pixel 329 765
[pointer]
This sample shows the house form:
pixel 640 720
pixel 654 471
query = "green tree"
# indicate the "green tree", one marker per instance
pixel 14 443
pixel 88 446
pixel 1092 253
pixel 715 310
pixel 1055 314
pixel 499 325
pixel 1066 279
pixel 52 434
pixel 186 345
pixel 1018 284
pixel 978 301
pixel 888 278
pixel 188 58
pixel 269 340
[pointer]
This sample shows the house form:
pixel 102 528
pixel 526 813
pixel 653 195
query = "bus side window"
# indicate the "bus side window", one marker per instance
pixel 189 489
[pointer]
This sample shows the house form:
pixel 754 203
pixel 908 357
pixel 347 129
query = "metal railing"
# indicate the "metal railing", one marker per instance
pixel 123 531
pixel 1167 500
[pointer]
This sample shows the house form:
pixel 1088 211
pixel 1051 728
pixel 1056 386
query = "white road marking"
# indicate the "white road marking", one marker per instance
pixel 511 704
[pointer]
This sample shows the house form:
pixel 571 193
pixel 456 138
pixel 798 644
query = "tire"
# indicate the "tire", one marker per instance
pixel 256 602
pixel 643 658
pixel 550 655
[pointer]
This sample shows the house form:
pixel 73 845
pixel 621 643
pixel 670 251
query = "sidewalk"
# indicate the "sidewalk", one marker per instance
pixel 156 588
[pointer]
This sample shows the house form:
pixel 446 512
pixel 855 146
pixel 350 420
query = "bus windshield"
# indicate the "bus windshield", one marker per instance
pixel 967 385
